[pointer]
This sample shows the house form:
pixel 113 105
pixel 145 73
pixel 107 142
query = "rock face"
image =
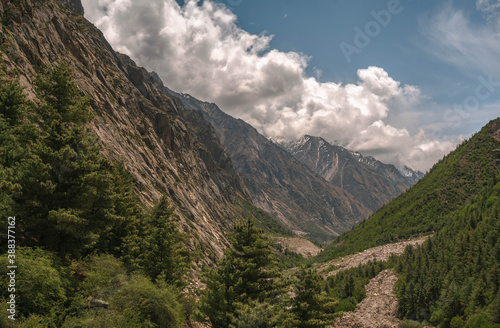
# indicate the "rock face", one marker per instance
pixel 208 163
pixel 74 5
pixel 279 183
pixel 370 181
pixel 168 149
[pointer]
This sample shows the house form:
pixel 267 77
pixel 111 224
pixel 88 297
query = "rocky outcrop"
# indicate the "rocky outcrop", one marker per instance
pixel 168 149
pixel 279 183
pixel 74 5
pixel 370 181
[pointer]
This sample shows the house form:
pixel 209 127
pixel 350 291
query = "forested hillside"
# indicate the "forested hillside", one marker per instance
pixel 453 280
pixel 434 202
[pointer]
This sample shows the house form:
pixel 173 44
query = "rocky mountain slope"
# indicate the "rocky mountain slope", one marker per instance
pixel 167 149
pixel 279 183
pixel 367 179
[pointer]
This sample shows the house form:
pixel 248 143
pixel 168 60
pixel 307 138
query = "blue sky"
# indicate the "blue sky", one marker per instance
pixel 317 29
pixel 421 78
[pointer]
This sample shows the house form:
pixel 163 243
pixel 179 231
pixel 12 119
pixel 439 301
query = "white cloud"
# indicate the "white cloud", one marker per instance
pixel 471 48
pixel 491 9
pixel 200 50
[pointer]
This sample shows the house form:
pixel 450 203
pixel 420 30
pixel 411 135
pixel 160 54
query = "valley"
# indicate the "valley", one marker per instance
pixel 139 206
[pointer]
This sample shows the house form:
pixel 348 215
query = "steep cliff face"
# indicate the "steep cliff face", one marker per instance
pixel 279 183
pixel 168 149
pixel 368 180
pixel 74 6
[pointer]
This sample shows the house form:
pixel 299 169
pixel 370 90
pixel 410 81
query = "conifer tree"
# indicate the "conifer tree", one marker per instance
pixel 64 192
pixel 166 254
pixel 244 274
pixel 312 307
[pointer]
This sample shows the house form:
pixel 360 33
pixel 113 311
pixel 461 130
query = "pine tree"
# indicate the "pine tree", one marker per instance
pixel 64 192
pixel 312 307
pixel 244 274
pixel 166 254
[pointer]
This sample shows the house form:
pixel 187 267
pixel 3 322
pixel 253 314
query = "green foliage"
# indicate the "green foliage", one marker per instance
pixel 349 286
pixel 72 201
pixel 155 306
pixel 40 283
pixel 104 274
pixel 245 274
pixel 433 202
pixel 263 315
pixel 286 258
pixel 166 253
pixel 311 306
pixel 64 192
pixel 133 299
pixel 454 278
pixel 34 321
pixel 102 319
pixel 412 324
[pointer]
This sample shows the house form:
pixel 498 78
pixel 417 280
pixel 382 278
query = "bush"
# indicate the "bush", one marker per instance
pixel 346 305
pixel 411 324
pixel 104 275
pixel 40 285
pixel 141 299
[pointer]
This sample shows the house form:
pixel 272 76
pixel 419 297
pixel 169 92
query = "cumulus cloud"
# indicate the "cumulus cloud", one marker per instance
pixel 200 50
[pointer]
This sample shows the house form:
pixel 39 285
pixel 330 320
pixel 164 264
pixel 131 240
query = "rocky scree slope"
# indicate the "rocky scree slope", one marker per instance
pixel 136 121
pixel 279 183
pixel 367 179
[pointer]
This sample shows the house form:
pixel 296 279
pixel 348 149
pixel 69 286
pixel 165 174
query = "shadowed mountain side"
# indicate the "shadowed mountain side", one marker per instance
pixel 280 184
pixel 136 121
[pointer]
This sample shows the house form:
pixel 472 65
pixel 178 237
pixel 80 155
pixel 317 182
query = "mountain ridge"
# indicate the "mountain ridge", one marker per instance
pixel 136 122
pixel 365 178
pixel 455 181
pixel 279 183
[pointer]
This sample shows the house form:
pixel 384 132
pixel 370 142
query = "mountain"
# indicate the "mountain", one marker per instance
pixel 367 179
pixel 213 168
pixel 279 183
pixel 166 148
pixel 461 178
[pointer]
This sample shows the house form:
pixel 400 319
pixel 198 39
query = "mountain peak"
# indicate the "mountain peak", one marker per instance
pixel 368 179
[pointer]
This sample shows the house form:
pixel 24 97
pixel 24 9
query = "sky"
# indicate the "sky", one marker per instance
pixel 404 81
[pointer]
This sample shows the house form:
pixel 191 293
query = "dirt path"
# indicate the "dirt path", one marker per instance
pixel 379 253
pixel 378 309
